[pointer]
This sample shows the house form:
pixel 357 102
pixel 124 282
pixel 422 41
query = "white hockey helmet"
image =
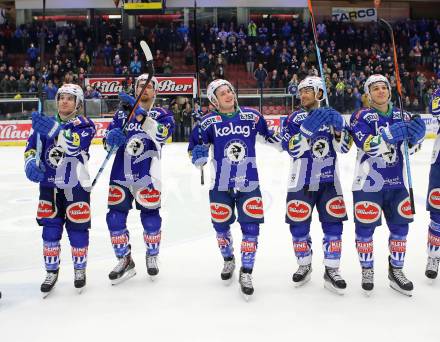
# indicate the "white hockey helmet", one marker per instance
pixel 374 79
pixel 213 86
pixel 314 82
pixel 72 89
pixel 144 77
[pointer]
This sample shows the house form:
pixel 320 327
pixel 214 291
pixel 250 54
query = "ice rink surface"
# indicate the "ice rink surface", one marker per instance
pixel 188 302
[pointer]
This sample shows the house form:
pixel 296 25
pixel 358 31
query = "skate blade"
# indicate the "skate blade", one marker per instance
pixel 245 296
pixel 80 290
pixel 302 282
pixel 44 295
pixel 152 277
pixel 329 286
pixel 367 293
pixel 129 274
pixel 396 287
pixel 228 282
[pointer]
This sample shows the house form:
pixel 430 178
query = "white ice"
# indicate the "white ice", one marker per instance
pixel 188 302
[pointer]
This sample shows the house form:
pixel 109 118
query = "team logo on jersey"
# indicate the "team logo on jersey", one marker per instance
pixel 391 157
pixel 148 197
pixel 54 156
pixel 434 198
pixel 253 207
pixel 235 151
pixel 135 147
pixel 364 247
pixel 298 211
pixel 209 121
pixel 320 148
pixel 336 207
pixel 232 129
pixel 78 212
pixel 397 246
pixel 46 209
pixel 367 212
pixel 115 195
pixel 220 212
pixel 404 208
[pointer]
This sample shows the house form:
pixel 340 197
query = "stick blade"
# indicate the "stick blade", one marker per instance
pixel 146 49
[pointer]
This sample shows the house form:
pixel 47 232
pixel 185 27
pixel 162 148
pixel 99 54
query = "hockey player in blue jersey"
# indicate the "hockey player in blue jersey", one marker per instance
pixel 433 200
pixel 312 136
pixel 379 184
pixel 61 171
pixel 231 133
pixel 135 176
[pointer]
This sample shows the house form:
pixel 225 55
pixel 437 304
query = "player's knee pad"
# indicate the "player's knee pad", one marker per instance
pixel 116 220
pixel 250 229
pixel 399 229
pixel 151 221
pixel 364 231
pixel 221 228
pixel 78 238
pixel 298 231
pixel 52 230
pixel 332 228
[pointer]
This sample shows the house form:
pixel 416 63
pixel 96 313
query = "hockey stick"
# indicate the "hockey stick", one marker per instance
pixel 39 143
pixel 399 97
pixel 150 70
pixel 196 93
pixel 318 52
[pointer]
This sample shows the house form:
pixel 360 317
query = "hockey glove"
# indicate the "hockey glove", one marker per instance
pixel 336 120
pixel 115 138
pixel 395 133
pixel 127 100
pixel 200 155
pixel 44 125
pixel 416 129
pixel 314 121
pixel 33 172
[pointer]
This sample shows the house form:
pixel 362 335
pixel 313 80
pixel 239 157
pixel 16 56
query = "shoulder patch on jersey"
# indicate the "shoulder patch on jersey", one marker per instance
pixel 370 117
pixel 210 120
pixel 248 116
pixel 299 116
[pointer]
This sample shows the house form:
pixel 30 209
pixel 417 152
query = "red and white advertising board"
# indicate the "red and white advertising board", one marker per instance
pixel 110 86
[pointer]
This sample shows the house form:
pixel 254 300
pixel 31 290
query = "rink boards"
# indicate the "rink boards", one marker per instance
pixel 16 133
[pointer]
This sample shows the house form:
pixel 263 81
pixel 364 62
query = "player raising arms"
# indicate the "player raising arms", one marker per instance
pixel 64 181
pixel 231 132
pixel 379 183
pixel 312 136
pixel 433 201
pixel 135 176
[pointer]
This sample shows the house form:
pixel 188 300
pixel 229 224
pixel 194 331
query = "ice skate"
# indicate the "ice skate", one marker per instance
pixel 49 283
pixel 302 275
pixel 432 268
pixel 152 268
pixel 245 281
pixel 80 280
pixel 123 271
pixel 399 282
pixel 228 270
pixel 367 280
pixel 333 281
